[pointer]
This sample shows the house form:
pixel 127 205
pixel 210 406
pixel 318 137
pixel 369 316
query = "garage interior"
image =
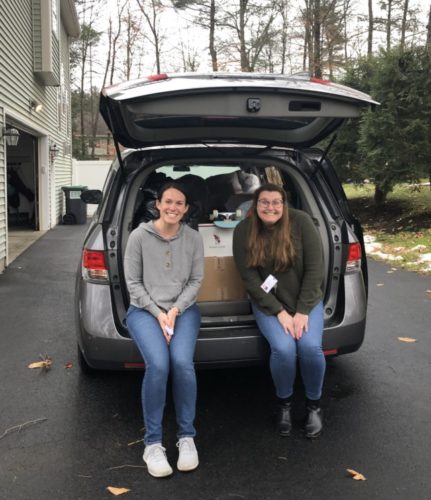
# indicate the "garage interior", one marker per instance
pixel 22 195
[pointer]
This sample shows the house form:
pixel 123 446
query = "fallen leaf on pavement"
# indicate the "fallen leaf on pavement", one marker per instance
pixel 68 365
pixel 406 339
pixel 117 491
pixel 357 476
pixel 135 442
pixel 380 284
pixel 45 364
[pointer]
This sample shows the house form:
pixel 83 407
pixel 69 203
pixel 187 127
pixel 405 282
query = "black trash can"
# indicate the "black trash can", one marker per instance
pixel 76 209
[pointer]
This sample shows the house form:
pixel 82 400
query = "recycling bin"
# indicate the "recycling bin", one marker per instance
pixel 76 209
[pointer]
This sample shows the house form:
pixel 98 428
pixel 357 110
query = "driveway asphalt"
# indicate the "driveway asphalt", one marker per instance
pixel 64 435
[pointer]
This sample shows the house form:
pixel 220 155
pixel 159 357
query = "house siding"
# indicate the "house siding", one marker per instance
pixel 63 170
pixel 20 59
pixel 37 35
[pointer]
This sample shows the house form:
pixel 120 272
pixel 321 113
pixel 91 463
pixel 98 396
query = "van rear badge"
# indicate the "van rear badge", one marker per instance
pixel 253 104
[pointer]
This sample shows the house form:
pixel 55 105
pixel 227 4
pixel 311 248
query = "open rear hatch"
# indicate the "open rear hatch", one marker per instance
pixel 296 111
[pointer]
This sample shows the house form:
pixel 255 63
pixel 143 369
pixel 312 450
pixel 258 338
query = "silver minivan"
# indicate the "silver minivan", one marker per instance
pixel 221 136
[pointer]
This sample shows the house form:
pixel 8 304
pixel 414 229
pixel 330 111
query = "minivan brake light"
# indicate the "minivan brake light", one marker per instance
pixel 354 255
pixel 94 265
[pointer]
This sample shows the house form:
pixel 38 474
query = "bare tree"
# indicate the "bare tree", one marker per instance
pixel 389 24
pixel 317 60
pixel 132 39
pixel 370 28
pixel 346 13
pixel 251 23
pixel 89 37
pixel 204 15
pixel 324 35
pixel 151 10
pixel 284 13
pixel 307 19
pixel 115 36
pixel 212 25
pixel 189 58
pixel 404 24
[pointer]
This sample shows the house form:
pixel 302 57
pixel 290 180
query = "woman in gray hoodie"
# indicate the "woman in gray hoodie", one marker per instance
pixel 164 263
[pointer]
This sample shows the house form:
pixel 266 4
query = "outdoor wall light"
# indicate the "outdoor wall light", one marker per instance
pixel 53 151
pixel 12 136
pixel 36 106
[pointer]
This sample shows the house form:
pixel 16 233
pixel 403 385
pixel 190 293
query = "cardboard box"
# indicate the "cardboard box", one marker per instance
pixel 217 241
pixel 221 281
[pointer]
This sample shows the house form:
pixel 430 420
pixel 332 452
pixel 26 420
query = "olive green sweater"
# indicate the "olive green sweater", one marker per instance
pixel 299 288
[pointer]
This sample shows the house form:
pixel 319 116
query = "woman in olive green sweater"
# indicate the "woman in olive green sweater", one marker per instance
pixel 278 253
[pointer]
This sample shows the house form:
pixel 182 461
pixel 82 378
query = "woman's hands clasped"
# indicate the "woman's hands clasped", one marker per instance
pixel 294 325
pixel 167 321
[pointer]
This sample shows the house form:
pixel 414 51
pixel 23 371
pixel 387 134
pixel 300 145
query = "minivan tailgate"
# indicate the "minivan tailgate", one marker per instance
pixel 254 109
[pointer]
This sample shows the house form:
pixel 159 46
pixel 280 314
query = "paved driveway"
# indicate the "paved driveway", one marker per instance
pixel 79 432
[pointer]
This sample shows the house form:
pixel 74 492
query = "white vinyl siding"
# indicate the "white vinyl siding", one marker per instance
pixel 63 170
pixel 21 57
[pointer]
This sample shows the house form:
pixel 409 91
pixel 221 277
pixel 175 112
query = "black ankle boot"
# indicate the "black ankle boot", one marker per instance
pixel 284 421
pixel 313 423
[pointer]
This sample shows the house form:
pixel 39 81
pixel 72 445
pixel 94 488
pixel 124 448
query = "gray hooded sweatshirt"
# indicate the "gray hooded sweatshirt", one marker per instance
pixel 163 273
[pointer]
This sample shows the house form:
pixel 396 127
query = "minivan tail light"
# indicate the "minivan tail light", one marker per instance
pixel 94 265
pixel 354 255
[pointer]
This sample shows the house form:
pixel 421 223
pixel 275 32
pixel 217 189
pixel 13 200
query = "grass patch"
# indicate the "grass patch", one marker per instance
pixel 402 224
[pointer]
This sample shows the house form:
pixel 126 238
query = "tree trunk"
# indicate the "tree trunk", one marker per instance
pixel 92 112
pixel 212 49
pixel 345 15
pixel 404 24
pixel 128 46
pixel 152 22
pixel 429 31
pixel 389 26
pixel 370 28
pixel 316 39
pixel 243 53
pixel 81 99
pixel 308 38
pixel 380 195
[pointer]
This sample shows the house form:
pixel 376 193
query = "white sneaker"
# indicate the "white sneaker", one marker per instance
pixel 188 456
pixel 157 463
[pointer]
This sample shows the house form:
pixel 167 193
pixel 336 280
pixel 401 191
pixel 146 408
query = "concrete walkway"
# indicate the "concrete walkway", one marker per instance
pixel 19 240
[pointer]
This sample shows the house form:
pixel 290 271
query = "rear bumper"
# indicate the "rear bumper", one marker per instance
pixel 104 348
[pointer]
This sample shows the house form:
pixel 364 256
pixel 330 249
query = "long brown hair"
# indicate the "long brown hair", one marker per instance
pixel 274 244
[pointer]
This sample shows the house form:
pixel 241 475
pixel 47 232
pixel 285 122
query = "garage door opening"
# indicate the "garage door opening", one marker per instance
pixel 22 194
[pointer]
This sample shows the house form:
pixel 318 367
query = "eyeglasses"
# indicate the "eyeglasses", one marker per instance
pixel 267 203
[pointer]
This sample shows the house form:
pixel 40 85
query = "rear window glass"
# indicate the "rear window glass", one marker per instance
pixel 213 190
pixel 204 171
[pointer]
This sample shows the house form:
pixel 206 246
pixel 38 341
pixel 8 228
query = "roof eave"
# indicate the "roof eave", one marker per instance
pixel 69 18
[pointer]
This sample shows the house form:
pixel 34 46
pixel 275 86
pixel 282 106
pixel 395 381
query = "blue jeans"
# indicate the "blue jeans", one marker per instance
pixel 285 349
pixel 160 360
